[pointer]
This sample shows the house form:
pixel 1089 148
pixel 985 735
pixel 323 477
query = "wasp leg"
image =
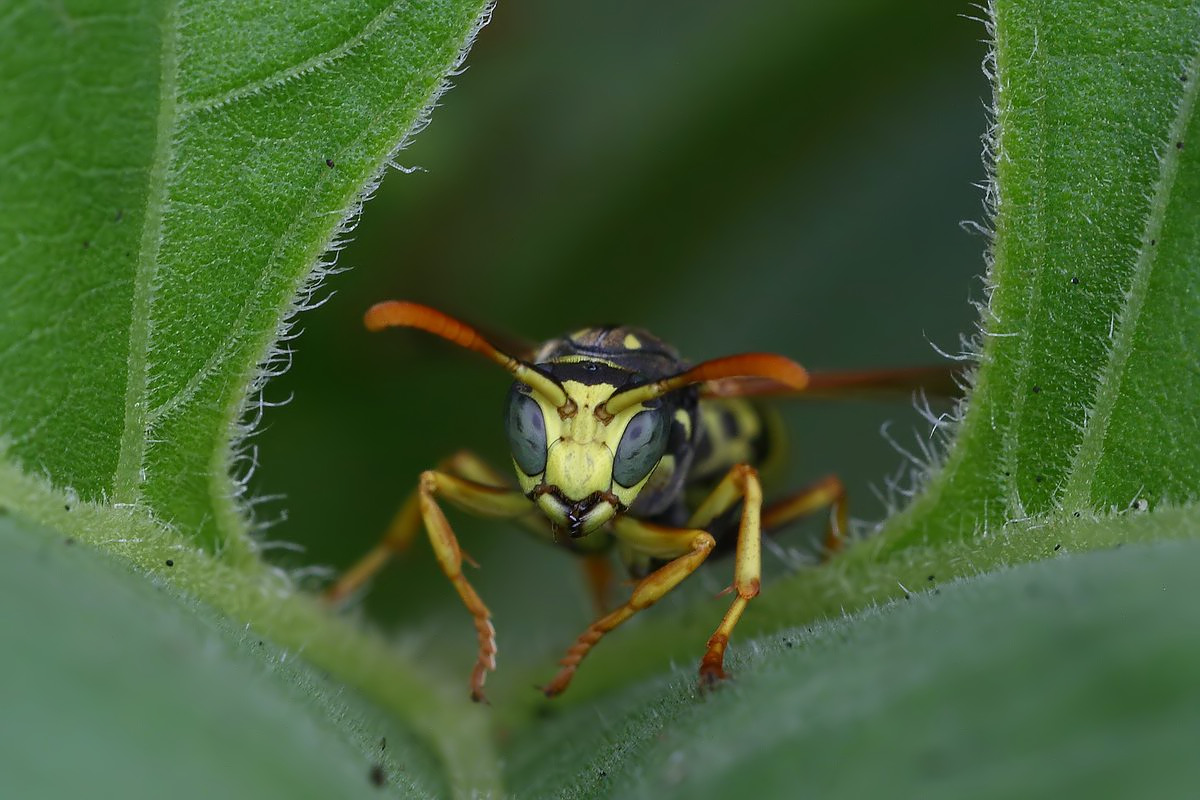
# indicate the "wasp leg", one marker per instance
pixel 479 498
pixel 405 524
pixel 598 571
pixel 740 483
pixel 486 500
pixel 687 547
pixel 828 492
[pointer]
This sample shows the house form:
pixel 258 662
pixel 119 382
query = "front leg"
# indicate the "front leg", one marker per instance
pixel 407 522
pixel 479 498
pixel 486 500
pixel 687 548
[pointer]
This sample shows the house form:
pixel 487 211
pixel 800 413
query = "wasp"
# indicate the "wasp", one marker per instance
pixel 617 442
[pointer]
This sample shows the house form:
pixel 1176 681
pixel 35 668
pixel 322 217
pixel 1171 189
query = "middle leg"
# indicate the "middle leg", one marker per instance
pixel 740 483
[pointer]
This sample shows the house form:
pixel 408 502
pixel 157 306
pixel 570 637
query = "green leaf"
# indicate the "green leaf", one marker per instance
pixel 120 689
pixel 1071 677
pixel 248 603
pixel 173 174
pixel 1085 396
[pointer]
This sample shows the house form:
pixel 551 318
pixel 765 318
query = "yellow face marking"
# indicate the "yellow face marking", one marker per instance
pixel 632 342
pixel 580 452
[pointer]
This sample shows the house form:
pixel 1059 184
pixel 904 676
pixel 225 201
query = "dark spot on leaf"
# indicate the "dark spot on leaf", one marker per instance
pixel 67 507
pixel 1037 389
pixel 86 244
pixel 1077 513
pixel 329 163
pixel 929 578
pixel 170 562
pixel 1007 473
pixel 907 596
pixel 1037 478
pixel 1058 547
pixel 1153 242
pixel 603 773
pixel 69 541
pixel 1074 281
pixel 383 743
pixel 378 776
pixel 1179 145
pixel 119 215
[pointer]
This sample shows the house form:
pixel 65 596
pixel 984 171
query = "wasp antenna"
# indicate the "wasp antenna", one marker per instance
pixel 747 365
pixel 402 314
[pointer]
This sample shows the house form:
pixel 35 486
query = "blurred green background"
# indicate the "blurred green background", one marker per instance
pixel 765 175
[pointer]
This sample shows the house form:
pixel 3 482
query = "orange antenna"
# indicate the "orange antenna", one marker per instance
pixel 747 365
pixel 400 314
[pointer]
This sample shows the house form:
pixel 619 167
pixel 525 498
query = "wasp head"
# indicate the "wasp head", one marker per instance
pixel 580 465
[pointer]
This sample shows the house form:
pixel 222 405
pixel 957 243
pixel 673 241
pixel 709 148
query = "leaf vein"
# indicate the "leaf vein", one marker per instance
pixel 1010 443
pixel 286 74
pixel 1091 446
pixel 127 480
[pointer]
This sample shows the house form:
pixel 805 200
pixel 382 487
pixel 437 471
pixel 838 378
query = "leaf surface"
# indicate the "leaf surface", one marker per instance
pixel 1085 394
pixel 122 690
pixel 174 172
pixel 1069 677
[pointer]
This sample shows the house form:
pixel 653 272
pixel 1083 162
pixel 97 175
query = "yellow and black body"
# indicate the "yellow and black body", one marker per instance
pixel 649 461
pixel 619 442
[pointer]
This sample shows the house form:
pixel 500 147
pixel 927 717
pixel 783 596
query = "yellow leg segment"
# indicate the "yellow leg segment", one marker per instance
pixel 480 498
pixel 688 548
pixel 405 524
pixel 828 492
pixel 740 483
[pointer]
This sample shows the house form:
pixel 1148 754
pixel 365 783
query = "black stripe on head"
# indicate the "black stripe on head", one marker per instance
pixel 589 373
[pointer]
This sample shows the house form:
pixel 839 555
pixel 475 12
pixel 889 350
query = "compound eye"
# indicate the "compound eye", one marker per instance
pixel 642 446
pixel 526 429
